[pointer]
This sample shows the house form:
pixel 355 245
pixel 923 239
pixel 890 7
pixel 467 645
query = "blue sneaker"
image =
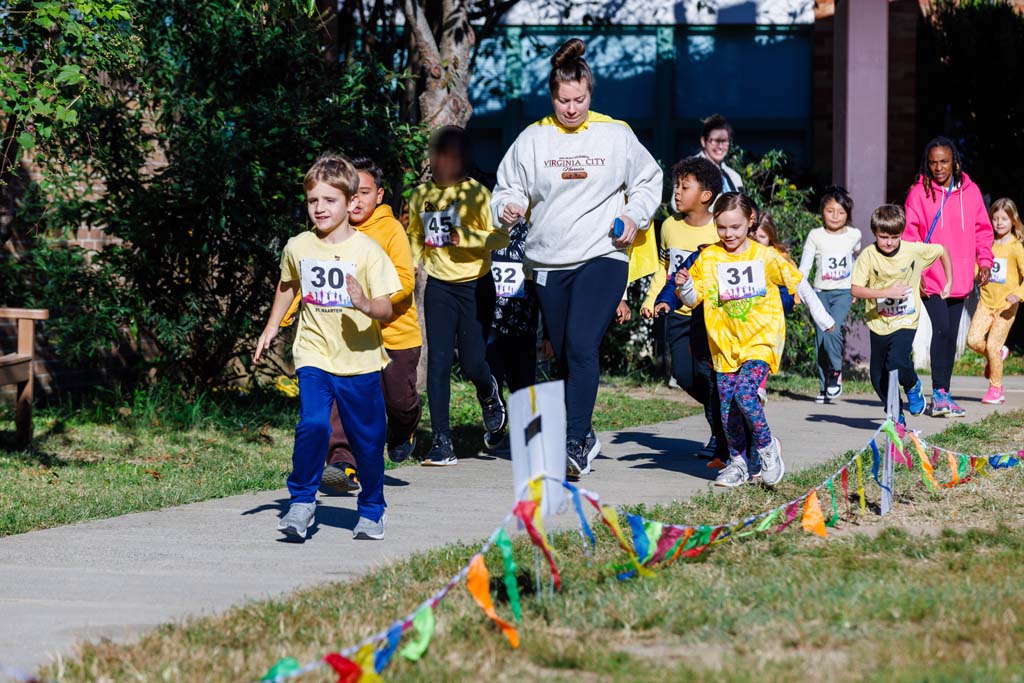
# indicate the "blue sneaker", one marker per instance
pixel 940 404
pixel 915 399
pixel 954 408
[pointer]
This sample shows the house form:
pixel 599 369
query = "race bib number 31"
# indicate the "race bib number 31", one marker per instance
pixel 323 282
pixel 437 225
pixel 741 280
pixel 998 272
pixel 836 266
pixel 891 308
pixel 509 279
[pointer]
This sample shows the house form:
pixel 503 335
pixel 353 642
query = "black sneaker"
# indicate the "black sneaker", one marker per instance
pixel 339 479
pixel 580 454
pixel 709 449
pixel 821 398
pixel 493 408
pixel 441 454
pixel 493 440
pixel 402 451
pixel 834 384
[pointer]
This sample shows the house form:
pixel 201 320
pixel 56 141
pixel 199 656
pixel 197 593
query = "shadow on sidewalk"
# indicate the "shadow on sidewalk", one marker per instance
pixel 672 454
pixel 326 515
pixel 865 423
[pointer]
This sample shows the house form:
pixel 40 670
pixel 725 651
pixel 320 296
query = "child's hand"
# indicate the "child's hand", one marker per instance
pixel 984 275
pixel 829 330
pixel 661 309
pixel 358 296
pixel 898 292
pixel 454 237
pixel 622 313
pixel 682 276
pixel 646 313
pixel 944 294
pixel 511 214
pixel 628 233
pixel 547 351
pixel 1012 299
pixel 264 342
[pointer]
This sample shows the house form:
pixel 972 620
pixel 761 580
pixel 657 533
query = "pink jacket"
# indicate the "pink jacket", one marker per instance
pixel 963 228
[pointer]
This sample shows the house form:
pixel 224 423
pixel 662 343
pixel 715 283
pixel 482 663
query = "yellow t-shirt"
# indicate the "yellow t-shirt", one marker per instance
pixel 332 335
pixel 1008 266
pixel 434 211
pixel 679 240
pixel 742 309
pixel 875 270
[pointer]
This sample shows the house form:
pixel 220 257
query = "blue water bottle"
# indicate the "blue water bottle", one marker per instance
pixel 618 228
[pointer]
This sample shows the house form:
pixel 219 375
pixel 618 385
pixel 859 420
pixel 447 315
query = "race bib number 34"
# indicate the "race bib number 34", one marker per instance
pixel 741 280
pixel 998 273
pixel 438 225
pixel 836 266
pixel 509 279
pixel 323 282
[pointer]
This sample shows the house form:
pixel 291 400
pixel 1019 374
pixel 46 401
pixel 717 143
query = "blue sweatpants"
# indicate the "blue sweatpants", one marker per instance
pixel 360 402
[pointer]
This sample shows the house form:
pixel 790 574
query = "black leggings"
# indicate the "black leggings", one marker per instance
pixel 513 360
pixel 892 352
pixel 456 314
pixel 945 317
pixel 578 306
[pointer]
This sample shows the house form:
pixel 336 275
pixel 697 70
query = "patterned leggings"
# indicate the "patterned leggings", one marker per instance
pixel 738 392
pixel 988 333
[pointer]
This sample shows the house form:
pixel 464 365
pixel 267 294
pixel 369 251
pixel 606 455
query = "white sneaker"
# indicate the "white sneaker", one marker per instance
pixel 734 474
pixel 366 529
pixel 297 520
pixel 772 467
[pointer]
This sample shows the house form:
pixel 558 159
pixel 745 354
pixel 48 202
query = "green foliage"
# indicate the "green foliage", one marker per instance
pixel 200 158
pixel 977 69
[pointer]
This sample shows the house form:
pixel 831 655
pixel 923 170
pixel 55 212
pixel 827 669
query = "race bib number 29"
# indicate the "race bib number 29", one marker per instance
pixel 741 280
pixel 323 282
pixel 438 225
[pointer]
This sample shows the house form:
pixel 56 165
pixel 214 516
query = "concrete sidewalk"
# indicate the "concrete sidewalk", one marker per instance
pixel 117 577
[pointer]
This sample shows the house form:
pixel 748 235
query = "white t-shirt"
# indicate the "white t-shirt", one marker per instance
pixel 831 254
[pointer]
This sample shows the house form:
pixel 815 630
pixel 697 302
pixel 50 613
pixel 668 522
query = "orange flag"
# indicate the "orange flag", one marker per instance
pixel 953 468
pixel 478 581
pixel 813 520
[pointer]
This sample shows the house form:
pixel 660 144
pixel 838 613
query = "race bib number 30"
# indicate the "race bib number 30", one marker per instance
pixel 836 266
pixel 323 282
pixel 676 259
pixel 509 279
pixel 741 280
pixel 998 273
pixel 891 308
pixel 437 225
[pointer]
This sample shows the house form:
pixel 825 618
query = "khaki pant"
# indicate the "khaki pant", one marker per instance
pixel 989 329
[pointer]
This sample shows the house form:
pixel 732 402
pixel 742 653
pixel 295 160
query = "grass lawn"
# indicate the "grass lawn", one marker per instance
pixel 930 594
pixel 972 363
pixel 114 454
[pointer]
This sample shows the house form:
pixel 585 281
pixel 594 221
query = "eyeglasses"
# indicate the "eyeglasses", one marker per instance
pixel 719 141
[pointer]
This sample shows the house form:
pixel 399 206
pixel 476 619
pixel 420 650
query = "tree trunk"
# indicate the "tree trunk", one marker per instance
pixel 445 60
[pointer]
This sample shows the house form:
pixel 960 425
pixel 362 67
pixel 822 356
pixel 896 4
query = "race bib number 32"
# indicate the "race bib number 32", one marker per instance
pixel 741 280
pixel 836 266
pixel 998 272
pixel 323 282
pixel 509 279
pixel 438 225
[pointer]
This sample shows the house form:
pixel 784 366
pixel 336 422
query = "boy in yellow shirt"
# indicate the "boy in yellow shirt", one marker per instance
pixel 346 281
pixel 697 182
pixel 887 275
pixel 401 333
pixel 450 230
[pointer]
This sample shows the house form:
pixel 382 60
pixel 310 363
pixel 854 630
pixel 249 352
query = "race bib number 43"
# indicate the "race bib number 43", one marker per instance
pixel 891 308
pixel 323 282
pixel 836 266
pixel 998 272
pixel 509 279
pixel 437 225
pixel 741 280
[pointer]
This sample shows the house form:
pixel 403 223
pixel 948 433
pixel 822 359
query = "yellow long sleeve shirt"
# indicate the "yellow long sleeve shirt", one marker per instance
pixel 435 211
pixel 679 240
pixel 1007 275
pixel 402 331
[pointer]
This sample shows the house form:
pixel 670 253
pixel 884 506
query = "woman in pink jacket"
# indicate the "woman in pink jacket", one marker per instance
pixel 945 207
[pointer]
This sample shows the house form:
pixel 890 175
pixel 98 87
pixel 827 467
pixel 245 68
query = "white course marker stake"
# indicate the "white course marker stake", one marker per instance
pixel 892 411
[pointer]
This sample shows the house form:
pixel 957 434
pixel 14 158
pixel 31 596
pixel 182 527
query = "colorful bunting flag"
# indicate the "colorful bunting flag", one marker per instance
pixel 478 581
pixel 926 465
pixel 640 542
pixel 423 623
pixel 791 510
pixel 504 544
pixel 610 517
pixel 844 479
pixel 954 470
pixel 894 438
pixel 364 659
pixel 860 485
pixel 834 519
pixel 289 666
pixel 347 670
pixel 813 520
pixel 670 537
pixel 528 512
pixel 579 511
pixel 383 656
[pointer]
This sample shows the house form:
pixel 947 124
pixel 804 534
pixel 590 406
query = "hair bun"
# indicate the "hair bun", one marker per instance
pixel 571 51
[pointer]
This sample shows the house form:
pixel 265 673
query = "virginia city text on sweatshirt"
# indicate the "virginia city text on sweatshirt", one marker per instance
pixel 574 183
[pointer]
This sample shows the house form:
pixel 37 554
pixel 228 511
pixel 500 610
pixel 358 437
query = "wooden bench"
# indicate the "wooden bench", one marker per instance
pixel 18 368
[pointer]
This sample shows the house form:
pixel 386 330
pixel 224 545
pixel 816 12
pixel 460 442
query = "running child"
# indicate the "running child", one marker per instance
pixel 346 281
pixel 738 279
pixel 450 230
pixel 697 181
pixel 887 275
pixel 829 251
pixel 401 333
pixel 1000 297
